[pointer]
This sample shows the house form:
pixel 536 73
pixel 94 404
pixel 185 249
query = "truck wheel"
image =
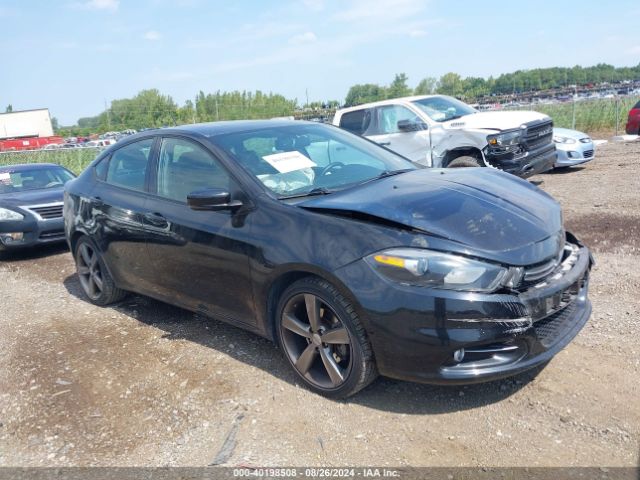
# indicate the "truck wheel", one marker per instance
pixel 464 161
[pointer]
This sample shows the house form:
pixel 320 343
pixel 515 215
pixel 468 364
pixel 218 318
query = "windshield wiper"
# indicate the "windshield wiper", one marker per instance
pixel 391 173
pixel 310 193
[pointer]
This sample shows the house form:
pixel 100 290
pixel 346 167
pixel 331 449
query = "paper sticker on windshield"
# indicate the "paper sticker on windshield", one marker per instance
pixel 5 177
pixel 288 161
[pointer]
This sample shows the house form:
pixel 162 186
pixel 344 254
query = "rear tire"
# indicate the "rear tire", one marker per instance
pixel 323 339
pixel 465 161
pixel 95 279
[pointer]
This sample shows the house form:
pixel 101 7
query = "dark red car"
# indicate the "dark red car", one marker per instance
pixel 633 123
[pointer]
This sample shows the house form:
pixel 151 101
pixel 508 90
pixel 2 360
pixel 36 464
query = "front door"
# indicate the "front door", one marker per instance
pixel 413 145
pixel 201 257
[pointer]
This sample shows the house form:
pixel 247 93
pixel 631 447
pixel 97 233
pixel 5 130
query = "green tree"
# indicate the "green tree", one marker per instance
pixel 399 87
pixel 364 93
pixel 450 84
pixel 427 86
pixel 9 109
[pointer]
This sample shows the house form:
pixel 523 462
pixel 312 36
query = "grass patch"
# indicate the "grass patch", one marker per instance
pixel 74 159
pixel 592 116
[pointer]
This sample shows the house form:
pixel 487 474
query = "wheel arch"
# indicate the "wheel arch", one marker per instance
pixel 286 276
pixel 454 153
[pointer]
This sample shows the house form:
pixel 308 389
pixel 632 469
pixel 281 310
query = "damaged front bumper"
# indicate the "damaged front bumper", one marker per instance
pixel 437 336
pixel 523 164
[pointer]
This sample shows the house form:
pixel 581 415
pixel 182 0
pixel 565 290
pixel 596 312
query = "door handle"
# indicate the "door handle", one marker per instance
pixel 156 220
pixel 384 144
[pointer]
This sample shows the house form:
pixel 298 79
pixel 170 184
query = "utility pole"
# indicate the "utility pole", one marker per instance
pixel 217 113
pixel 108 114
pixel 573 119
pixel 306 91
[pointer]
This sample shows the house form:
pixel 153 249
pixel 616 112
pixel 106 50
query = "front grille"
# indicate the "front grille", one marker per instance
pixel 588 153
pixel 48 212
pixel 537 273
pixel 539 134
pixel 550 329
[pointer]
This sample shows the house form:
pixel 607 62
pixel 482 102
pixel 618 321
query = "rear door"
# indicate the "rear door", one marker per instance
pixel 118 203
pixel 357 121
pixel 414 145
pixel 200 257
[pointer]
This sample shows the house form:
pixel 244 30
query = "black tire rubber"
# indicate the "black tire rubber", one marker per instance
pixel 363 368
pixel 110 293
pixel 465 161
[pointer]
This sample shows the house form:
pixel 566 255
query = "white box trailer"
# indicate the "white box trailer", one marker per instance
pixel 26 123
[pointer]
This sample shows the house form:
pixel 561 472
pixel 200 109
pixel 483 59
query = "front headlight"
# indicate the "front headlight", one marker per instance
pixel 427 268
pixel 6 214
pixel 560 139
pixel 505 139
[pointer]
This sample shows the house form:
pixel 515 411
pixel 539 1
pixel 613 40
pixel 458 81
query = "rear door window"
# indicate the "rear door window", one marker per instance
pixel 128 165
pixel 357 121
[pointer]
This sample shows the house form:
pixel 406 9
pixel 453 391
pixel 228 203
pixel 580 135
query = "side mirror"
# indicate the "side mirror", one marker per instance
pixel 411 125
pixel 212 199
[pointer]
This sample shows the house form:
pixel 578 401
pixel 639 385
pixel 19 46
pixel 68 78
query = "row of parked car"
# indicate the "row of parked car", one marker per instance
pixel 355 260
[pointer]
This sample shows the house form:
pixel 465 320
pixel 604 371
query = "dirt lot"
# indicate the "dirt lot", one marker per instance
pixel 144 383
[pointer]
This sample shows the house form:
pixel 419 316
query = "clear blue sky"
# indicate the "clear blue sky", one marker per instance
pixel 72 56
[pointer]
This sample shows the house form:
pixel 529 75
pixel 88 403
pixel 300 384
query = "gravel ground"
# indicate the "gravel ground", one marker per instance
pixel 144 383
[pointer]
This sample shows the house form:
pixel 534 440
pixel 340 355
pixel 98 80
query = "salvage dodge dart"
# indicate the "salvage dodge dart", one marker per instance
pixel 353 259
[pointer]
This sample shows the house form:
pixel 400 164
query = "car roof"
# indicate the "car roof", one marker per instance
pixel 212 129
pixel 27 166
pixel 390 101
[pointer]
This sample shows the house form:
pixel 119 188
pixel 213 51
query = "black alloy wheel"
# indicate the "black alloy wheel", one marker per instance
pixel 95 280
pixel 323 339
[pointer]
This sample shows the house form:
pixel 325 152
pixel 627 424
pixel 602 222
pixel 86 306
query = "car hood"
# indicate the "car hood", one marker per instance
pixel 567 132
pixel 480 209
pixel 33 197
pixel 496 120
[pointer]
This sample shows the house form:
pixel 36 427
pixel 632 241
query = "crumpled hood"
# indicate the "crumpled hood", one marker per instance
pixel 32 197
pixel 500 120
pixel 480 208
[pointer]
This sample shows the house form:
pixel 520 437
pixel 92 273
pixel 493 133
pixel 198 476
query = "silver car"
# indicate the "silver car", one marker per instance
pixel 573 147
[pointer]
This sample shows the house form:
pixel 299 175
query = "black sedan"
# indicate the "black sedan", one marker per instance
pixel 354 260
pixel 31 204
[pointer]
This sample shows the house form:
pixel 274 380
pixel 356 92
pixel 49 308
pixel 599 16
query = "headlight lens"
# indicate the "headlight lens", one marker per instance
pixel 505 139
pixel 426 268
pixel 6 214
pixel 560 139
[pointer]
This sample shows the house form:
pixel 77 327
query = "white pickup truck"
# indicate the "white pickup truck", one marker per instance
pixel 440 131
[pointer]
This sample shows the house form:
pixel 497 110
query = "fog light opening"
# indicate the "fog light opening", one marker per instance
pixel 12 237
pixel 458 355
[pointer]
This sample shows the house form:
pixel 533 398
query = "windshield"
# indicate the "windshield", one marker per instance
pixel 441 108
pixel 21 180
pixel 310 159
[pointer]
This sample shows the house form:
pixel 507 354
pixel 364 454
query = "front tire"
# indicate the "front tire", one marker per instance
pixel 95 279
pixel 465 161
pixel 323 339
